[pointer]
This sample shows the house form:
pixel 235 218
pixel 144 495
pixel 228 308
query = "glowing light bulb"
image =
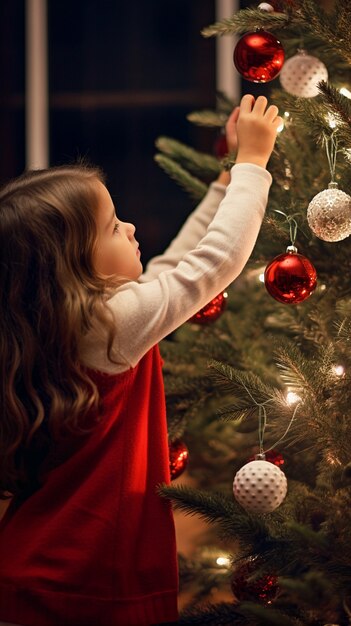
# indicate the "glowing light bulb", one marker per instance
pixel 339 370
pixel 223 561
pixel 345 92
pixel 261 278
pixel 331 119
pixel 292 398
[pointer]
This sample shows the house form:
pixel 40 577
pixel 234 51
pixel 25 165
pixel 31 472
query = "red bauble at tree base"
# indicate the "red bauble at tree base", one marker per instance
pixel 178 458
pixel 247 588
pixel 212 311
pixel 259 56
pixel 272 456
pixel 290 278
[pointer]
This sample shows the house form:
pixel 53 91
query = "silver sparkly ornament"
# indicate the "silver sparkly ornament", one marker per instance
pixel 301 73
pixel 329 214
pixel 260 486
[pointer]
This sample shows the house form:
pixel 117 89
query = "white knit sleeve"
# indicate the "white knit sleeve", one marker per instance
pixel 189 235
pixel 145 313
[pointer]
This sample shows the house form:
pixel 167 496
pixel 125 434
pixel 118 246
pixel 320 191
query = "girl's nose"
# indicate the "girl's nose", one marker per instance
pixel 130 229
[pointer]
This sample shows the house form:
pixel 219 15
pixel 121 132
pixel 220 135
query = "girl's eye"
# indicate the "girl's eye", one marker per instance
pixel 116 227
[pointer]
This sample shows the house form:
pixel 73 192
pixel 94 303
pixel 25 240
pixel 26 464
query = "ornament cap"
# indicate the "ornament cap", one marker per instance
pixel 333 185
pixel 260 456
pixel 291 249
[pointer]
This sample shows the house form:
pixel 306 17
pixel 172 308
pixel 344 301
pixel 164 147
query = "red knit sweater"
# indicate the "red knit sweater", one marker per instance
pixel 95 544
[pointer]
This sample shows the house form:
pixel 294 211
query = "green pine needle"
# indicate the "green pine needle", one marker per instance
pixel 208 118
pixel 267 616
pixel 246 20
pixel 196 162
pixel 190 183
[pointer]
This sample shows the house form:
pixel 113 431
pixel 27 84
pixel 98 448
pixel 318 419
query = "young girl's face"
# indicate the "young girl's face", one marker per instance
pixel 117 251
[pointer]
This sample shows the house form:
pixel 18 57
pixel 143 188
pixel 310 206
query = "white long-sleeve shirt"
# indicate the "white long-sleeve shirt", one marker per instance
pixel 209 252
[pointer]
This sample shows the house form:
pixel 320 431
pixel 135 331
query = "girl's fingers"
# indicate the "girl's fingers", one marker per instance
pixel 271 112
pixel 260 105
pixel 246 103
pixel 233 118
pixel 278 122
pixel 234 115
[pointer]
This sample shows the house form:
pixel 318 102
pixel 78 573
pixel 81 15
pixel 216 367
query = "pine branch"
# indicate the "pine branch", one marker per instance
pixel 312 588
pixel 246 20
pixel 192 185
pixel 222 614
pixel 216 508
pixel 296 370
pixel 196 162
pixel 268 616
pixel 341 107
pixel 344 331
pixel 309 538
pixel 185 385
pixel 331 28
pixel 238 383
pixel 208 118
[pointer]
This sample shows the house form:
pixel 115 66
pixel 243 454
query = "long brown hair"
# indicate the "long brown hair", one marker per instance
pixel 49 295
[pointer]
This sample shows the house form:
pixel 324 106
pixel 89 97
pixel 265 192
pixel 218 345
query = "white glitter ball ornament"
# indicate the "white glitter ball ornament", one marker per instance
pixel 301 73
pixel 329 214
pixel 260 486
pixel 264 6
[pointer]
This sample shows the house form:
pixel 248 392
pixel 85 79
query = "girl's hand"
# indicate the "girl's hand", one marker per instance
pixel 257 130
pixel 230 130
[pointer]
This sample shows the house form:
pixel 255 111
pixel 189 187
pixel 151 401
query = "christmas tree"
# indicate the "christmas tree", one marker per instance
pixel 270 374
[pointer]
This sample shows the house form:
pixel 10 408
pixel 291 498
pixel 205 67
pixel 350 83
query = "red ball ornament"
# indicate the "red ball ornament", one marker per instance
pixel 290 278
pixel 212 311
pixel 178 458
pixel 283 5
pixel 272 456
pixel 221 146
pixel 247 588
pixel 259 56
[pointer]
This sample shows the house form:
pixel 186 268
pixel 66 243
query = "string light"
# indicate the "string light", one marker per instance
pixel 345 92
pixel 292 398
pixel 223 561
pixel 261 278
pixel 331 119
pixel 282 125
pixel 332 459
pixel 339 370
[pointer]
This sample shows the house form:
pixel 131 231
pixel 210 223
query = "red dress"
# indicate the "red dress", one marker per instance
pixel 95 544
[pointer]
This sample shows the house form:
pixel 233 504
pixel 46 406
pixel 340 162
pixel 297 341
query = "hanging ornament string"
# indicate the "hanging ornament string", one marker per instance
pixel 286 431
pixel 329 212
pixel 331 148
pixel 292 225
pixel 262 422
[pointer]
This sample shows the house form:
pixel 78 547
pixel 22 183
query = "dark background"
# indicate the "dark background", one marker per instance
pixel 120 75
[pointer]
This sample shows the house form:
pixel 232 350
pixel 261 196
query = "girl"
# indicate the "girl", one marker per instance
pixel 86 539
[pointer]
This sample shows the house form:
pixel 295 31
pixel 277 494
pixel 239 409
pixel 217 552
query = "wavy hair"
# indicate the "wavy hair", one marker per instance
pixel 49 295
